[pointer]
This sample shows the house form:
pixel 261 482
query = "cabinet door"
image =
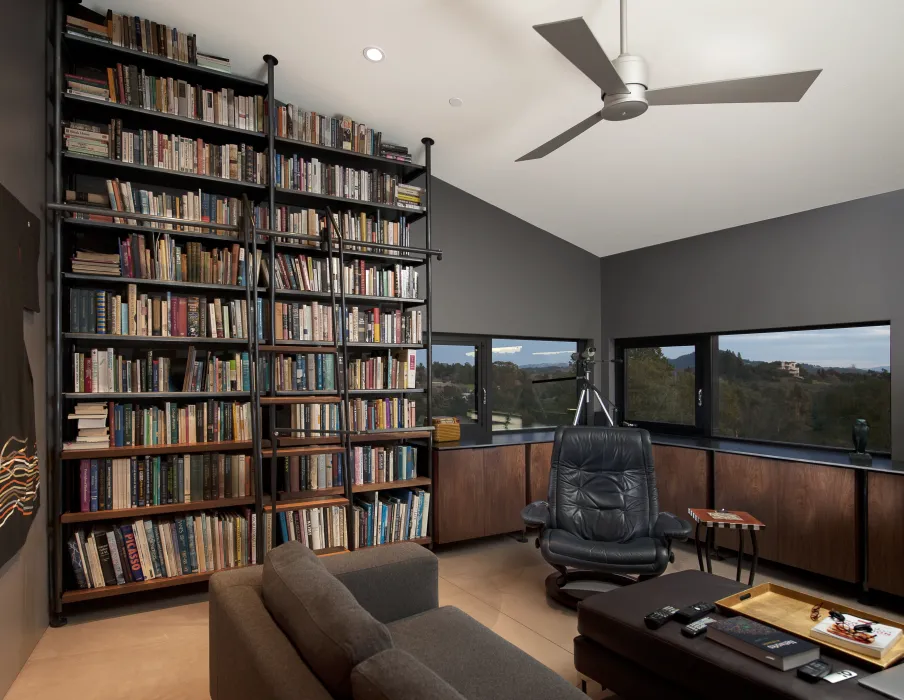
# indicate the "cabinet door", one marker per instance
pixel 539 461
pixel 886 532
pixel 682 479
pixel 458 493
pixel 506 488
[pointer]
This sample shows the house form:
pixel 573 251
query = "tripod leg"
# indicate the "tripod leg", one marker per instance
pixel 603 406
pixel 577 413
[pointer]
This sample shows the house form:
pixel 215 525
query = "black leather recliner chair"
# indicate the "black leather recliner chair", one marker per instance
pixel 602 518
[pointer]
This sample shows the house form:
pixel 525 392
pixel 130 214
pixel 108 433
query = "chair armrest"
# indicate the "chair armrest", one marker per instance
pixel 536 514
pixel 389 582
pixel 671 527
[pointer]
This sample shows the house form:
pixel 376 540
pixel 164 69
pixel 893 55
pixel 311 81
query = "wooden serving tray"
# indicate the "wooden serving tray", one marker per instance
pixel 789 610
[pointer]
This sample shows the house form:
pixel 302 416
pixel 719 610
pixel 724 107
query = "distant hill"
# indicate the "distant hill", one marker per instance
pixel 688 361
pixel 684 362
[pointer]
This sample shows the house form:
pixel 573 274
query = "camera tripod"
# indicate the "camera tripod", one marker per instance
pixel 584 362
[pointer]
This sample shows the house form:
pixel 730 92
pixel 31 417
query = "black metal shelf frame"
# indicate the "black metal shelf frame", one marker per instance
pixel 328 243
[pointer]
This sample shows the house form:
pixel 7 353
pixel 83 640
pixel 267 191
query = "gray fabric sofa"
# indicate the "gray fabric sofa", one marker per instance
pixel 359 626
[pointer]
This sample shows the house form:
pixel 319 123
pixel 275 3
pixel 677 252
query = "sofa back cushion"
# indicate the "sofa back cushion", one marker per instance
pixel 396 675
pixel 331 632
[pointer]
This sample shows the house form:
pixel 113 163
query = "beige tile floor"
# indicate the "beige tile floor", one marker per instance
pixel 158 649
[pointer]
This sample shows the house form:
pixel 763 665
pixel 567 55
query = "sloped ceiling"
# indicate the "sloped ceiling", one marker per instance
pixel 674 172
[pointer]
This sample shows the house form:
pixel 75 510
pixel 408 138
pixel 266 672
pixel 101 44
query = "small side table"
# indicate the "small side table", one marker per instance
pixel 731 520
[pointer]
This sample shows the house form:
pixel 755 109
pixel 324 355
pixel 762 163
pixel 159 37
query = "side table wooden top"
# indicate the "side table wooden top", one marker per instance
pixel 731 519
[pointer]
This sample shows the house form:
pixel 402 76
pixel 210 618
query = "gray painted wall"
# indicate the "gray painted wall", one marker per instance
pixel 838 264
pixel 23 580
pixel 505 277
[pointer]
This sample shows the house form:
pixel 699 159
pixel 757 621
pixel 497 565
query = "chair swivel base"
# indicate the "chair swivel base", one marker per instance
pixel 579 585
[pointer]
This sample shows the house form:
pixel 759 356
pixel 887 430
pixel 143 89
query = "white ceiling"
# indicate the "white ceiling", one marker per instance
pixel 673 172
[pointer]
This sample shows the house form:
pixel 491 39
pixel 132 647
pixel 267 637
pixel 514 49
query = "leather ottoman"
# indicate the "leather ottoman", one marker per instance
pixel 617 650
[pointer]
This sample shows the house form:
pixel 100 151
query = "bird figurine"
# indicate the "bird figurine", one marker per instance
pixel 860 434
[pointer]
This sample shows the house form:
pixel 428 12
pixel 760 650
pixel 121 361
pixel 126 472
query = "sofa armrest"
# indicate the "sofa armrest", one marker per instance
pixel 671 527
pixel 536 514
pixel 389 582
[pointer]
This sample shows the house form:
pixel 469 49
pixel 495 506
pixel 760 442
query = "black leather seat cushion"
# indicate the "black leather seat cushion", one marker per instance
pixel 641 555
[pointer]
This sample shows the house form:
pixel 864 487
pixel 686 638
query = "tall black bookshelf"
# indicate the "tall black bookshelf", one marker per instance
pixel 268 443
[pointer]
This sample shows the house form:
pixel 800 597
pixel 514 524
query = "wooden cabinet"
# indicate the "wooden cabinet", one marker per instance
pixel 810 511
pixel 885 520
pixel 539 462
pixel 478 492
pixel 683 479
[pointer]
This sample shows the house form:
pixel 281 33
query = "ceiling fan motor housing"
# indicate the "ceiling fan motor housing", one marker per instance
pixel 633 72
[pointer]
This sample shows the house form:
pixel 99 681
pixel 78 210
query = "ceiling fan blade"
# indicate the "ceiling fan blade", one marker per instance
pixel 784 87
pixel 573 39
pixel 562 138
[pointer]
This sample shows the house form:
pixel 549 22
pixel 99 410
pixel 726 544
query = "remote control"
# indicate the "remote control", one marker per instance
pixel 658 618
pixel 695 629
pixel 694 612
pixel 814 671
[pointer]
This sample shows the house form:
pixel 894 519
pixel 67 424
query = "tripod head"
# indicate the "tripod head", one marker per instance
pixel 584 360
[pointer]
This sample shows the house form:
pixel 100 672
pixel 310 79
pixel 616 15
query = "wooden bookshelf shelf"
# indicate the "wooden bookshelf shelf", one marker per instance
pixel 316 494
pixel 354 254
pixel 95 280
pixel 326 347
pixel 304 451
pixel 109 591
pixel 169 122
pixel 104 167
pixel 127 513
pixel 389 436
pixel 342 156
pixel 142 450
pixel 115 229
pixel 208 77
pixel 156 395
pixel 281 399
pixel 383 392
pixel 412 346
pixel 306 441
pixel 383 486
pixel 416 540
pixel 152 339
pixel 302 504
pixel 313 199
pixel 350 298
pixel 330 551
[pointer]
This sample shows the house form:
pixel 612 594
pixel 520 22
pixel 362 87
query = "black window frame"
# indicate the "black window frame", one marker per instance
pixel 482 430
pixel 706 348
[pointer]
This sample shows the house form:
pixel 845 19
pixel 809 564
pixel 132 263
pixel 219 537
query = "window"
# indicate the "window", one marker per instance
pixel 806 386
pixel 802 386
pixel 495 384
pixel 518 401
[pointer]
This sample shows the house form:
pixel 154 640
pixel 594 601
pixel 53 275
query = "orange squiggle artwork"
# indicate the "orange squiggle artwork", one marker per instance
pixel 19 480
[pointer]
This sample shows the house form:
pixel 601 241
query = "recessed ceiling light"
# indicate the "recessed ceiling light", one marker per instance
pixel 374 53
pixel 455 101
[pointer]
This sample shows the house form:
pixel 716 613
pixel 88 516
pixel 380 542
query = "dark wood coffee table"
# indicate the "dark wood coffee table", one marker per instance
pixel 617 650
pixel 711 519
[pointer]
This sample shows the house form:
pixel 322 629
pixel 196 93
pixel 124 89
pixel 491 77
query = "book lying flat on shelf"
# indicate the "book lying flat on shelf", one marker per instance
pixel 777 649
pixel 875 643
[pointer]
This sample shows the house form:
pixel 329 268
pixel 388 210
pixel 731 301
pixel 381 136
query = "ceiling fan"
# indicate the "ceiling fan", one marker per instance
pixel 624 81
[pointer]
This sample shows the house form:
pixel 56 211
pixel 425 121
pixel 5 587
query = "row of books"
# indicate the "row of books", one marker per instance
pixel 318 419
pixel 379 326
pixel 314 176
pixel 317 528
pixel 126 425
pixel 335 132
pixel 165 315
pixel 155 149
pixel 143 550
pixel 354 226
pixel 192 206
pixel 377 465
pixel 390 370
pixel 301 372
pixel 191 262
pixel 134 33
pixel 136 482
pixel 381 414
pixel 301 321
pixel 391 516
pixel 365 278
pixel 131 85
pixel 216 373
pixel 312 472
pixel 100 371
